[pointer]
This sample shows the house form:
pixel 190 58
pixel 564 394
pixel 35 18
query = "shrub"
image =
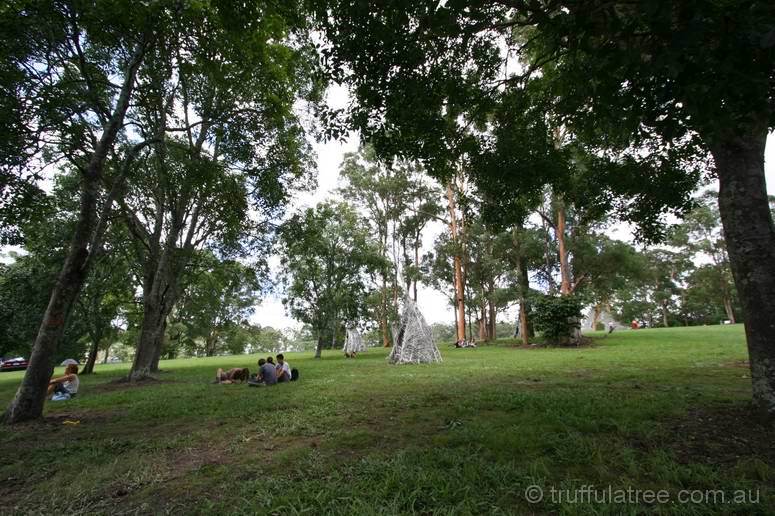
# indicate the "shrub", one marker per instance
pixel 600 326
pixel 556 317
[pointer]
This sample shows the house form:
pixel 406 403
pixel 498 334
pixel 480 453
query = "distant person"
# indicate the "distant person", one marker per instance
pixel 66 386
pixel 266 376
pixel 233 375
pixel 349 354
pixel 283 369
pixel 634 324
pixel 610 327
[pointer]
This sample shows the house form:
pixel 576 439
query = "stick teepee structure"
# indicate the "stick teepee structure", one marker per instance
pixel 414 344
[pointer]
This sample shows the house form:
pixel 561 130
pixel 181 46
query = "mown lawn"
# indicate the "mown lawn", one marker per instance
pixel 663 409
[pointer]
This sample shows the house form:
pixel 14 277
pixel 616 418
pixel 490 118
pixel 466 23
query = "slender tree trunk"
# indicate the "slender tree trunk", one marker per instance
pixel 459 286
pixel 665 314
pixel 728 309
pixel 524 305
pixel 30 397
pixel 96 337
pixel 492 314
pixel 483 321
pixel 417 265
pixel 595 316
pixel 383 315
pixel 565 284
pixel 750 237
pixel 319 347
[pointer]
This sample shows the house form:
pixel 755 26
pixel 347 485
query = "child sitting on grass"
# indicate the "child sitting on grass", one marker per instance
pixel 66 386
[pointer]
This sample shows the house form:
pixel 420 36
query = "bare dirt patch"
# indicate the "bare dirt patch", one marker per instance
pixel 720 435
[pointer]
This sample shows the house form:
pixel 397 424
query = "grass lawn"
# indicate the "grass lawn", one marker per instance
pixel 647 410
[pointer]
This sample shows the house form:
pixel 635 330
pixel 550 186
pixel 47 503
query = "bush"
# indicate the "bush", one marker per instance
pixel 600 326
pixel 556 317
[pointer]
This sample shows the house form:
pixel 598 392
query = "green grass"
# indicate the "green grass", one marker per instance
pixel 362 437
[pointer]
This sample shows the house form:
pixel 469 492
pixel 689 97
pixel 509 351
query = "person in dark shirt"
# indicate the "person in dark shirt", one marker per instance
pixel 267 374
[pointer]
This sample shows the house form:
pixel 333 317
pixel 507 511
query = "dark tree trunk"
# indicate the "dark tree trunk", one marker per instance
pixel 159 345
pixel 88 368
pixel 153 315
pixel 319 347
pixel 750 237
pixel 31 395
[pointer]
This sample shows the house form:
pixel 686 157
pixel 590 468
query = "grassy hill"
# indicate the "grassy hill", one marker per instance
pixel 662 409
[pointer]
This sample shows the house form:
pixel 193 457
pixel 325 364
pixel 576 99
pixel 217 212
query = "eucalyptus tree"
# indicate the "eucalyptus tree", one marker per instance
pixel 327 253
pixel 69 71
pixel 654 87
pixel 222 96
pixel 399 202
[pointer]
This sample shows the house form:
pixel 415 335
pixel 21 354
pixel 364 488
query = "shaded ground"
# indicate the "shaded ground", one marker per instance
pixel 654 409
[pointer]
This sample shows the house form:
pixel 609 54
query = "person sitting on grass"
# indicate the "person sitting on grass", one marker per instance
pixel 266 376
pixel 66 386
pixel 233 375
pixel 283 369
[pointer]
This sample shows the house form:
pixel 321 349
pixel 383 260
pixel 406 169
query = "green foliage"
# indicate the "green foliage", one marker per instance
pixel 326 254
pixel 556 317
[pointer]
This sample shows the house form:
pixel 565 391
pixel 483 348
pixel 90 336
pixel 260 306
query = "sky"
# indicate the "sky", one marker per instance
pixel 432 304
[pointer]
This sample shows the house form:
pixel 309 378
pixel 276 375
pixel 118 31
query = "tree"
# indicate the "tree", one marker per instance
pixel 326 253
pixel 701 235
pixel 71 73
pixel 221 97
pixel 219 297
pixel 654 86
pixel 399 203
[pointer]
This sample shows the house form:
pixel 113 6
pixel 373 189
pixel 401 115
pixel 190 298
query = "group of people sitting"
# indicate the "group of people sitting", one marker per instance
pixel 269 373
pixel 465 344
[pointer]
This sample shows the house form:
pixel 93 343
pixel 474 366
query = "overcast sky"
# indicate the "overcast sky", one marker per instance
pixel 432 303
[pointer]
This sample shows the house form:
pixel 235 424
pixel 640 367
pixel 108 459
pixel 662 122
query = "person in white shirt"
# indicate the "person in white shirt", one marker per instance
pixel 283 369
pixel 66 384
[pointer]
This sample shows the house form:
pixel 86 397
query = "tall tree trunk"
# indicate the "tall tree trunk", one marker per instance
pixel 728 309
pixel 91 359
pixel 319 347
pixel 31 395
pixel 665 321
pixel 565 284
pixel 595 316
pixel 383 315
pixel 159 345
pixel 459 286
pixel 483 321
pixel 524 305
pixel 150 330
pixel 417 265
pixel 750 237
pixel 107 354
pixel 492 313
